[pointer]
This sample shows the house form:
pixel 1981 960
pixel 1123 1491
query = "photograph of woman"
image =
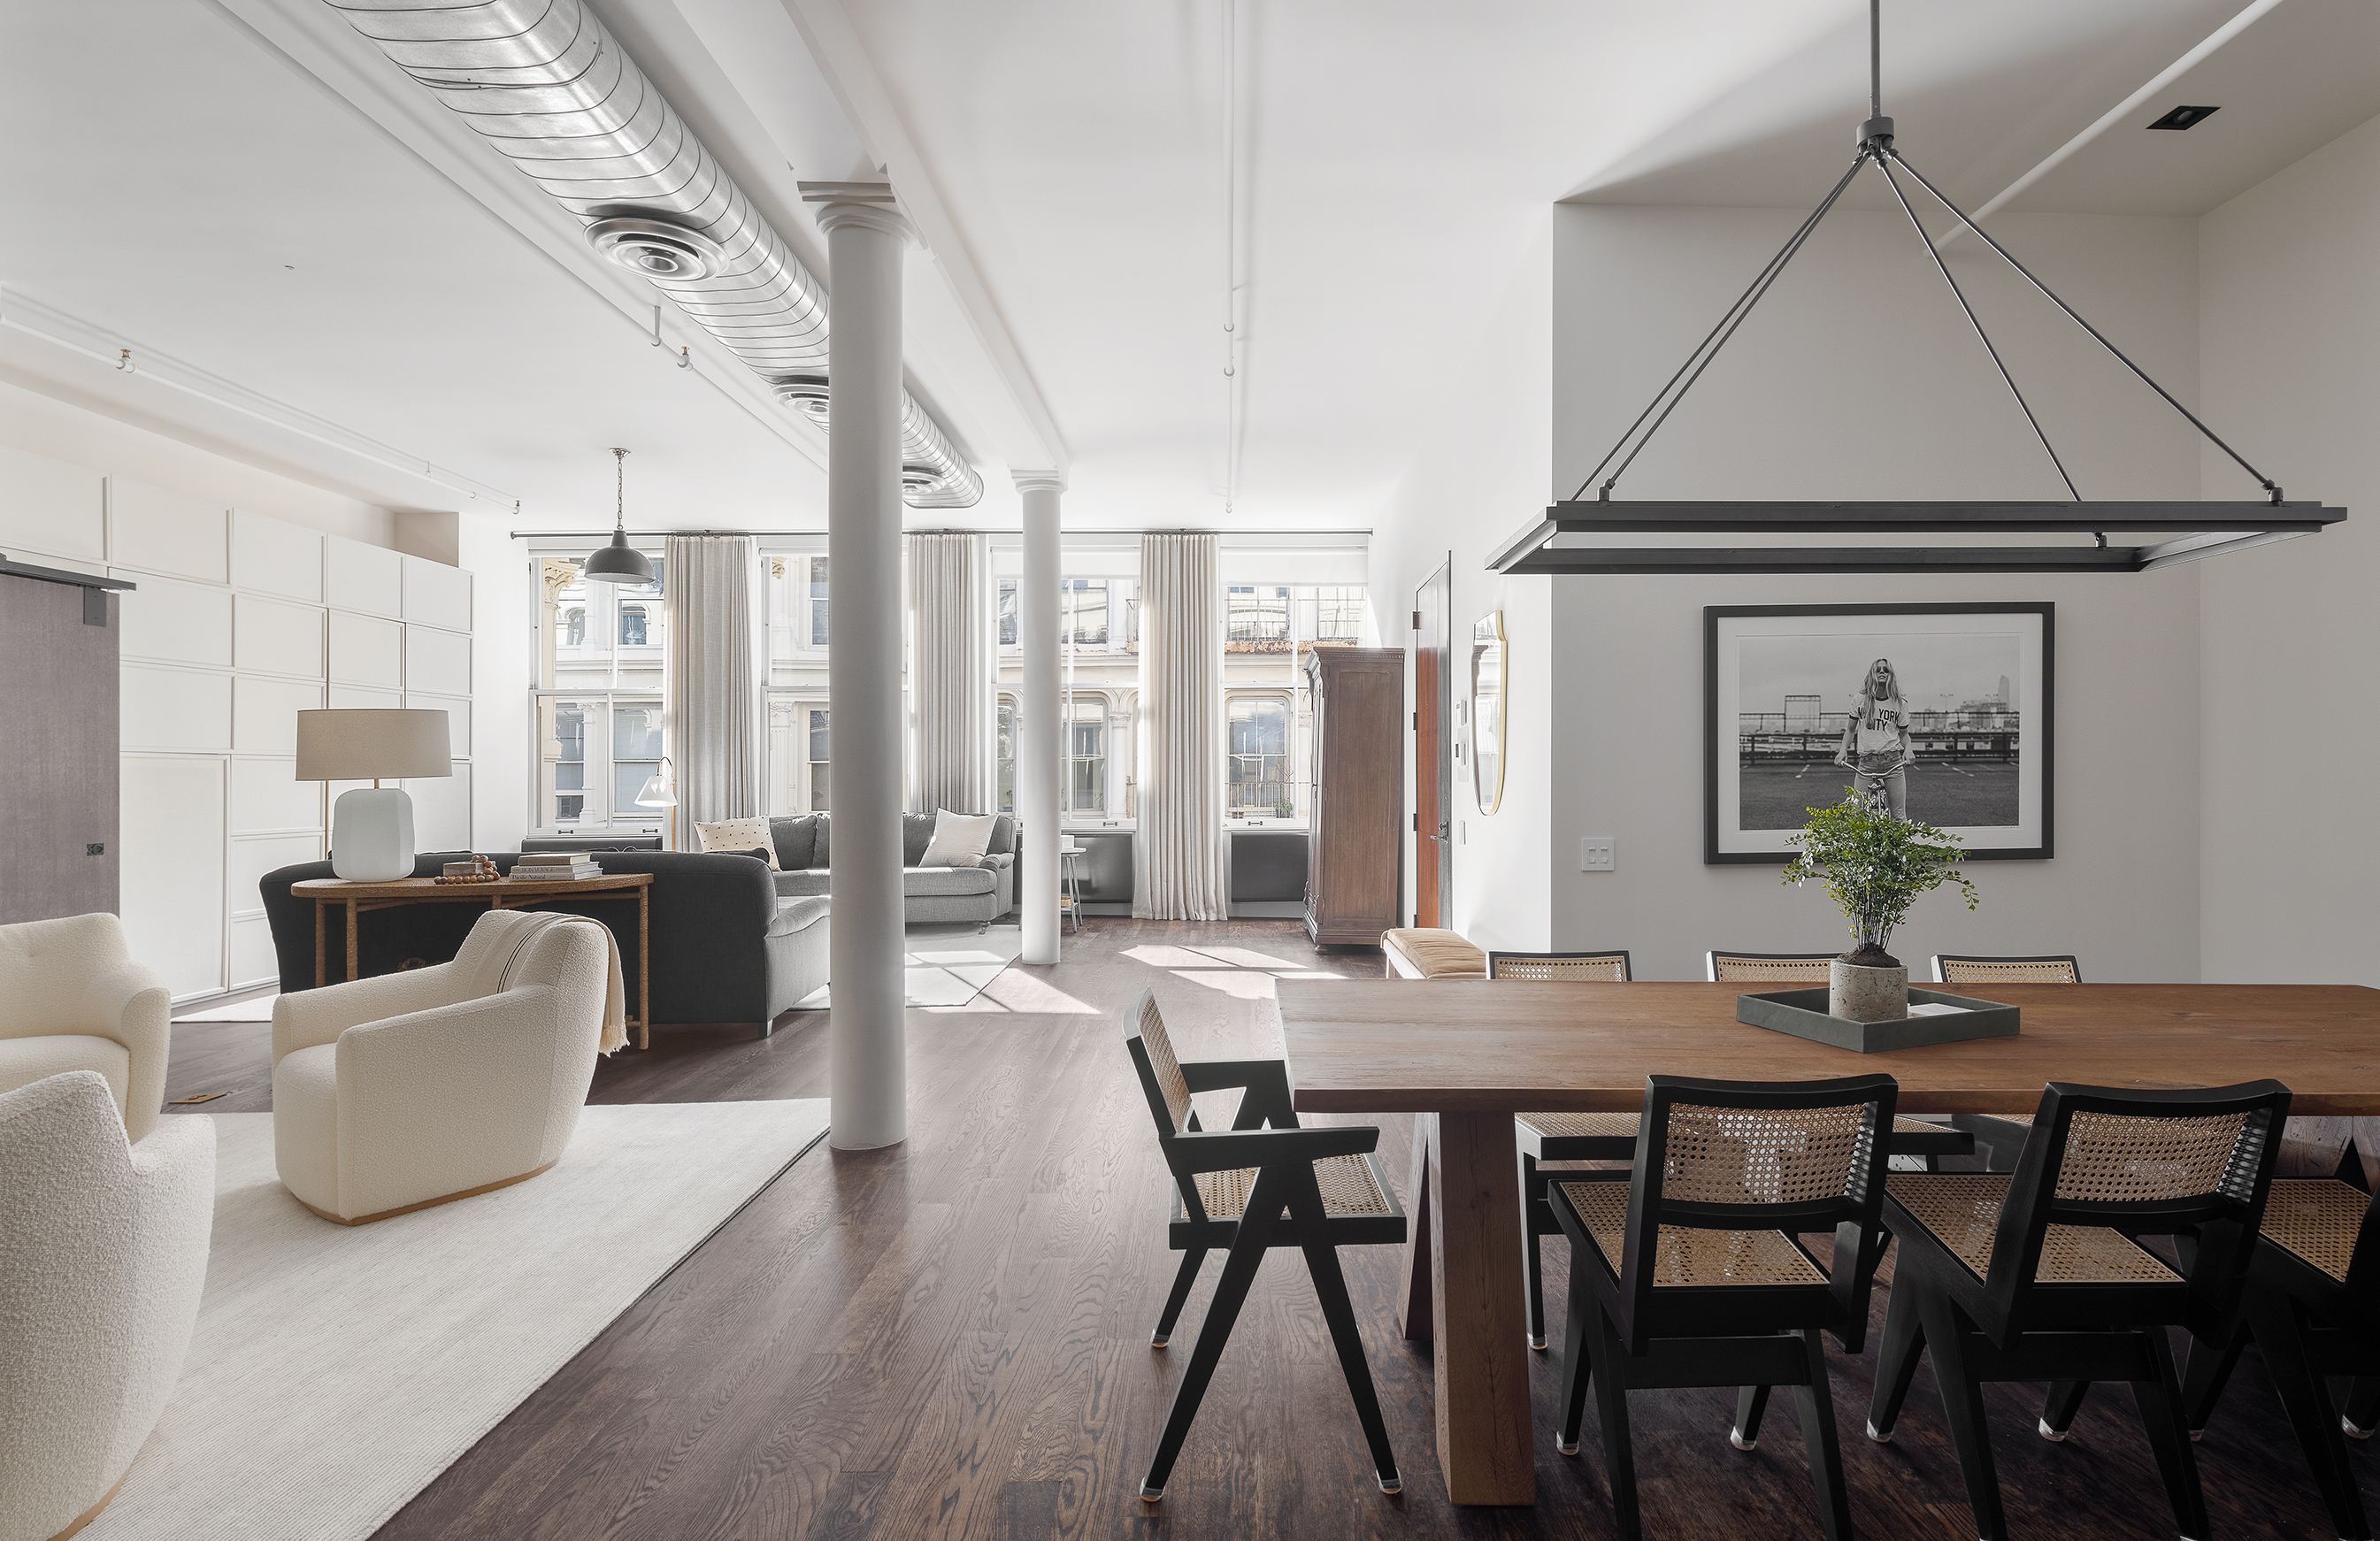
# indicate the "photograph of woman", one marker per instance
pixel 1877 747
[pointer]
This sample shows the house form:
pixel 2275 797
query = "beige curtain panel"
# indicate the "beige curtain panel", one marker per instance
pixel 951 683
pixel 1179 843
pixel 712 695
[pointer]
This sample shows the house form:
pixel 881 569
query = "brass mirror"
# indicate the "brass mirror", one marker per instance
pixel 1488 709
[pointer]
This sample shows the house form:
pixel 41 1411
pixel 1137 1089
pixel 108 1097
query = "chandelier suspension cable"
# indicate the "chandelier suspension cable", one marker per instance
pixel 1981 335
pixel 1876 58
pixel 1708 349
pixel 2263 480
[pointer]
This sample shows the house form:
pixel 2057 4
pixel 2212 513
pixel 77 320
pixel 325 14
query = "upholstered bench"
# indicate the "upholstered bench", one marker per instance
pixel 1430 954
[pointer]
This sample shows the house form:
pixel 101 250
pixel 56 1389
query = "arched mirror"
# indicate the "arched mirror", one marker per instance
pixel 1487 654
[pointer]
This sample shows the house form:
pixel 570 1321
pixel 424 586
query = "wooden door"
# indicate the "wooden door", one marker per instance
pixel 1433 745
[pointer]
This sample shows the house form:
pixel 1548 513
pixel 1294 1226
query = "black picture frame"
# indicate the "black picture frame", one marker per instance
pixel 1722 743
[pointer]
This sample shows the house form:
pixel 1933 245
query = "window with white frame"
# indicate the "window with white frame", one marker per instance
pixel 1004 749
pixel 596 704
pixel 799 759
pixel 1258 781
pixel 1256 619
pixel 1086 754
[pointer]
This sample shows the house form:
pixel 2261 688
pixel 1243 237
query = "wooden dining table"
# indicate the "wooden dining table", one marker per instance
pixel 1466 1055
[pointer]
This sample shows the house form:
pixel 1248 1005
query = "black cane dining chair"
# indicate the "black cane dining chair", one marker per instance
pixel 1612 1137
pixel 2039 1275
pixel 2314 1307
pixel 2002 1134
pixel 1246 1190
pixel 1689 1270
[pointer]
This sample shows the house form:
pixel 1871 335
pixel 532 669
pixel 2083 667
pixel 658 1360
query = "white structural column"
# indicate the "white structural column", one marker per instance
pixel 866 240
pixel 1039 743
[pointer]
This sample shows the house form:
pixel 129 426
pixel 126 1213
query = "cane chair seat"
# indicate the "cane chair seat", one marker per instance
pixel 1690 1258
pixel 1601 968
pixel 1951 970
pixel 2316 1219
pixel 1962 1210
pixel 1789 967
pixel 1351 1185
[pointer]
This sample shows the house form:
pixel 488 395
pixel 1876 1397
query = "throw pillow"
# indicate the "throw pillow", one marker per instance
pixel 958 839
pixel 795 838
pixel 737 836
pixel 818 843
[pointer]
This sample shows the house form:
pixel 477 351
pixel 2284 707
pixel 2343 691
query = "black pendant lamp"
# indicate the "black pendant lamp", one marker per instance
pixel 619 561
pixel 1569 538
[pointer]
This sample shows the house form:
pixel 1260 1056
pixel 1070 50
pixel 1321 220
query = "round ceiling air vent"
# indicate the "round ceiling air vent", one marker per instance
pixel 805 393
pixel 659 250
pixel 917 479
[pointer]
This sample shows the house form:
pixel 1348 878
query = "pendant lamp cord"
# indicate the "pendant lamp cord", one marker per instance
pixel 1881 150
pixel 619 489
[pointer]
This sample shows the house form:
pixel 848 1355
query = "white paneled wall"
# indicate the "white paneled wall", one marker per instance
pixel 239 622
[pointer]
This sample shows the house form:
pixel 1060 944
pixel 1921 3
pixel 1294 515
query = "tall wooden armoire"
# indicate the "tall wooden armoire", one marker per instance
pixel 1355 793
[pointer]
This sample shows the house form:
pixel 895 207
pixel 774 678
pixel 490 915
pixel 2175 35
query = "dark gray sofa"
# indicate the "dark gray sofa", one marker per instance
pixel 929 894
pixel 724 947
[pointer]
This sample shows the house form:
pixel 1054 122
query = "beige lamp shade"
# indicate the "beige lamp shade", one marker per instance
pixel 365 745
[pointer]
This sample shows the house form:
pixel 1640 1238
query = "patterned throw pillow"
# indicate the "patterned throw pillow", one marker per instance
pixel 738 837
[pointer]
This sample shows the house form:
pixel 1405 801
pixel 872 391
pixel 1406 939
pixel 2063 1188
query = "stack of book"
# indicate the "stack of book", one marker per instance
pixel 547 866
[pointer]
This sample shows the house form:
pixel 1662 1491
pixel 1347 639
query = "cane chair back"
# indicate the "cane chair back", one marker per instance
pixel 2054 968
pixel 2331 1226
pixel 1810 968
pixel 1606 968
pixel 1727 1175
pixel 2105 1165
pixel 1160 1071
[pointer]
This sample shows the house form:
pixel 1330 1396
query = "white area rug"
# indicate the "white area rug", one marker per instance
pixel 336 1370
pixel 947 965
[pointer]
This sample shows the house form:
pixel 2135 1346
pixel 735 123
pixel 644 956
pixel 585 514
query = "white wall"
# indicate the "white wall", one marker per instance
pixel 2291 703
pixel 239 619
pixel 1857 377
pixel 1480 473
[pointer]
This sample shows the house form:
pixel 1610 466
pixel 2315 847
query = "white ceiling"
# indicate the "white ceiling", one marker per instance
pixel 248 193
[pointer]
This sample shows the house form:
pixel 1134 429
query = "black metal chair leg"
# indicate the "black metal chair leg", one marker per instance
pixel 1896 1359
pixel 2204 1378
pixel 2160 1404
pixel 1578 1364
pixel 2361 1415
pixel 1750 1402
pixel 1815 1403
pixel 1611 1414
pixel 2305 1396
pixel 1183 1278
pixel 1231 1292
pixel 1331 1286
pixel 1963 1408
pixel 2058 1410
pixel 1533 1234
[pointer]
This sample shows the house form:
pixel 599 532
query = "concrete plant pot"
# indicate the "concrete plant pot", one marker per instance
pixel 1858 994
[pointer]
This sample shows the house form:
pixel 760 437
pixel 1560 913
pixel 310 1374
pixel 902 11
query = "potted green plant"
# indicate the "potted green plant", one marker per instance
pixel 1874 867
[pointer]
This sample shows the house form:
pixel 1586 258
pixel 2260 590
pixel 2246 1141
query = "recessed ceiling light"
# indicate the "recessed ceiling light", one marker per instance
pixel 2185 117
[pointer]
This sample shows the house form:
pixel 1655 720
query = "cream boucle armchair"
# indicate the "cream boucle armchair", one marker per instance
pixel 103 1255
pixel 406 1090
pixel 71 998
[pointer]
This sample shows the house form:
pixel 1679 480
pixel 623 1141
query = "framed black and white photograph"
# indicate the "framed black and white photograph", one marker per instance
pixel 1945 711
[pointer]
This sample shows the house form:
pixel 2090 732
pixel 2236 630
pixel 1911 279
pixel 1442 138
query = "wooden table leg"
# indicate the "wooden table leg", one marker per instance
pixel 322 947
pixel 644 968
pixel 1413 1311
pixel 1483 1443
pixel 351 939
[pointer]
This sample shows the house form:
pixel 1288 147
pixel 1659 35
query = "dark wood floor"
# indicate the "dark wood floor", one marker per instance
pixel 951 1338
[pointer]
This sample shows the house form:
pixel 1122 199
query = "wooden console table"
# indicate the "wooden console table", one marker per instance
pixel 506 894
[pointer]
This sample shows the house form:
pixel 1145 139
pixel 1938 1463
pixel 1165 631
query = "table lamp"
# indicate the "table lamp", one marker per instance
pixel 371 828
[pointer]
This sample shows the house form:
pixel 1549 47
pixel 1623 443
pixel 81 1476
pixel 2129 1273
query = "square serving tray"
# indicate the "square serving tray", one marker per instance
pixel 1802 1012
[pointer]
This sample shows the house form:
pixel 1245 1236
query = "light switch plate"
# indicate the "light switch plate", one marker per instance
pixel 1597 854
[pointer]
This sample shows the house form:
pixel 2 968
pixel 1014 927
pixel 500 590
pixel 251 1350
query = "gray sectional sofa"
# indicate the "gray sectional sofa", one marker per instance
pixel 931 893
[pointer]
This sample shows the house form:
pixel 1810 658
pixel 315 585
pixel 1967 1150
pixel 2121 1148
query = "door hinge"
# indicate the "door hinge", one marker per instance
pixel 1417 620
pixel 1416 823
pixel 1416 721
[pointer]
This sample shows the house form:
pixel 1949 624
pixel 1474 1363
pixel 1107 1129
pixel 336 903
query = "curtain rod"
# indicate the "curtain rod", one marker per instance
pixel 659 534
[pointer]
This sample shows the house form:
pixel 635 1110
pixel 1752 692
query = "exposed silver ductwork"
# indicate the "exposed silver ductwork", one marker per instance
pixel 547 85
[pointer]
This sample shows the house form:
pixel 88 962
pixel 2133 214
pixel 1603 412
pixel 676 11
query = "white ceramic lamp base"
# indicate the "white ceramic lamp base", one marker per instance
pixel 371 834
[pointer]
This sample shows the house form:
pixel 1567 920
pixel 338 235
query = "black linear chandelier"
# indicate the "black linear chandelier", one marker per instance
pixel 2192 529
